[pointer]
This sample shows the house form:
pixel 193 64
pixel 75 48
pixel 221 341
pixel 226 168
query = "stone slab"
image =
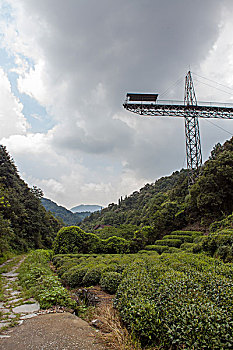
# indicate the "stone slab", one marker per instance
pixel 26 308
pixel 10 274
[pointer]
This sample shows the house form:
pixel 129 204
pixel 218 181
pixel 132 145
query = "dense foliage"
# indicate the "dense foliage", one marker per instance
pixel 74 240
pixel 61 213
pixel 24 223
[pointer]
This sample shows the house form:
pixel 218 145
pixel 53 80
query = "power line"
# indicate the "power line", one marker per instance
pixel 219 127
pixel 181 79
pixel 213 81
pixel 214 87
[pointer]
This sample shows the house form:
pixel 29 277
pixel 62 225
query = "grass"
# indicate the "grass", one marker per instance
pixel 112 333
pixel 37 279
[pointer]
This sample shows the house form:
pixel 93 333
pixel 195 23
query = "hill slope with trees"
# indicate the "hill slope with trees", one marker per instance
pixel 68 217
pixel 169 204
pixel 24 222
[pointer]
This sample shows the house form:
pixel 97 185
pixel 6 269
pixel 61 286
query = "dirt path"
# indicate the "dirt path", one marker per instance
pixel 23 327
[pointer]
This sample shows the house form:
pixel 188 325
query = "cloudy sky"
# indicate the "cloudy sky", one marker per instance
pixel 65 68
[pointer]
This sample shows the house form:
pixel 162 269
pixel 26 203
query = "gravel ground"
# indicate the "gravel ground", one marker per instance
pixel 58 331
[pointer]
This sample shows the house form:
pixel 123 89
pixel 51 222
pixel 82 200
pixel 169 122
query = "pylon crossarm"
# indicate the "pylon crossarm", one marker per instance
pixel 149 105
pixel 172 110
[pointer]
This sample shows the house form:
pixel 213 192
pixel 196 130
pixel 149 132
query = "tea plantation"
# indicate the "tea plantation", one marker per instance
pixel 175 301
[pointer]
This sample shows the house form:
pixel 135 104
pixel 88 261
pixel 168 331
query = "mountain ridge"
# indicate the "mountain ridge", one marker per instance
pixel 68 217
pixel 86 208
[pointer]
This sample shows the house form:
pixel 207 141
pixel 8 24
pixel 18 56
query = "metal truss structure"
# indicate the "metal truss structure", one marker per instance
pixel 189 110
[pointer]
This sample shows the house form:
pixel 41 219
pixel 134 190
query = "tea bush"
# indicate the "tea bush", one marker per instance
pixel 187 233
pixel 217 244
pixel 92 277
pixel 74 276
pixel 183 238
pixel 110 281
pixel 158 248
pixel 178 301
pixel 169 242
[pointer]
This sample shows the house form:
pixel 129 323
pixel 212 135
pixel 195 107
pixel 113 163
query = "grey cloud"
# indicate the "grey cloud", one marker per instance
pixel 140 45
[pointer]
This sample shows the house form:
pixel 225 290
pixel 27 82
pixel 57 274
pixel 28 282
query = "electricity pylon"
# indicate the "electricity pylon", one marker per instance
pixel 189 109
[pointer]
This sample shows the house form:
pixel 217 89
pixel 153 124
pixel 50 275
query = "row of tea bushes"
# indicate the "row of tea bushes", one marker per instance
pixel 174 242
pixel 178 301
pixel 218 244
pixel 87 270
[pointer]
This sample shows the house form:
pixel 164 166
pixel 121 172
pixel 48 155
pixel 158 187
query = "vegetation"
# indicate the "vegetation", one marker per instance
pixel 37 278
pixel 74 240
pixel 178 301
pixel 68 217
pixel 166 252
pixel 24 223
pixel 173 301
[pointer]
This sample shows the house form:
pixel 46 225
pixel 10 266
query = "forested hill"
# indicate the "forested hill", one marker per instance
pixel 24 222
pixel 168 204
pixel 62 213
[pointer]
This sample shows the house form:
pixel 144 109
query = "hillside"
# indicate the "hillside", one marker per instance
pixel 168 204
pixel 24 223
pixel 62 213
pixel 85 208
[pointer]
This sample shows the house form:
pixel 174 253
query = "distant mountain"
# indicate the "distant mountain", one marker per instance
pixel 60 212
pixel 86 208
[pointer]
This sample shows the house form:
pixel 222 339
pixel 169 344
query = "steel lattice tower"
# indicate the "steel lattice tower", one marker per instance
pixel 192 132
pixel 189 109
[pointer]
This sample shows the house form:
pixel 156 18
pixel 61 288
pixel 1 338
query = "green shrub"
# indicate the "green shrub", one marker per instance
pixel 226 223
pixel 92 277
pixel 158 248
pixel 75 275
pixel 169 242
pixel 115 245
pixel 184 238
pixel 186 246
pixel 178 302
pixel 225 253
pixel 148 252
pixel 110 281
pixel 172 250
pixel 74 240
pixel 187 233
pixel 212 244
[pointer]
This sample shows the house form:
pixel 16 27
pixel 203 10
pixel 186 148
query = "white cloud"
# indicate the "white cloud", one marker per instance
pixel 12 120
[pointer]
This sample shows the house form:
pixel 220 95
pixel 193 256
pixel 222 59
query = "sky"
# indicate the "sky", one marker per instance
pixel 65 69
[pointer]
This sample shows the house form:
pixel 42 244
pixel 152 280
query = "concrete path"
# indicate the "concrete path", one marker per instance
pixel 23 326
pixel 59 331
